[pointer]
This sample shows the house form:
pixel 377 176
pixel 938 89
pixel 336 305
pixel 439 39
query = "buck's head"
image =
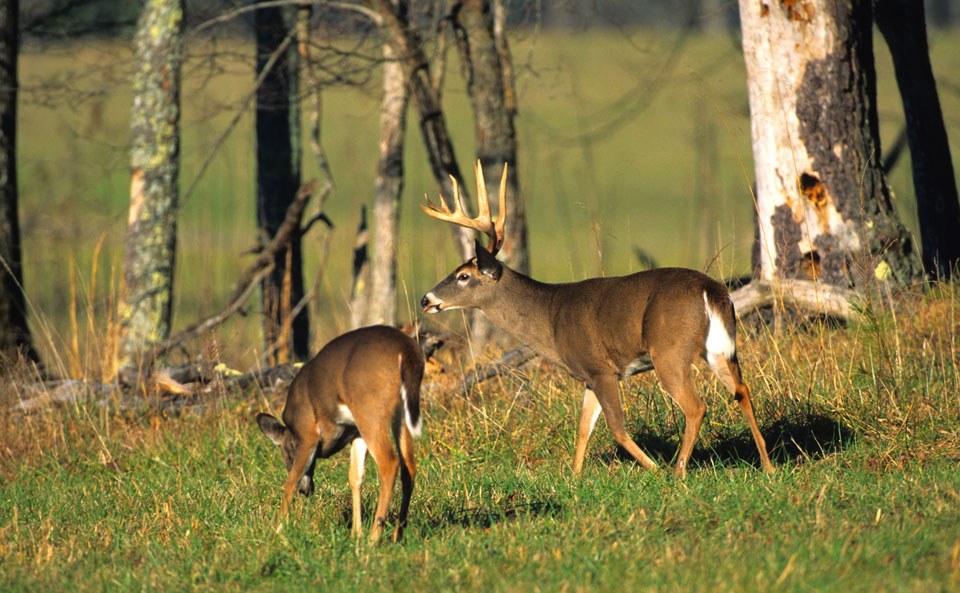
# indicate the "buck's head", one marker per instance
pixel 472 284
pixel 285 438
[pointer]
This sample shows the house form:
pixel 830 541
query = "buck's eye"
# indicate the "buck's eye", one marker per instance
pixel 463 277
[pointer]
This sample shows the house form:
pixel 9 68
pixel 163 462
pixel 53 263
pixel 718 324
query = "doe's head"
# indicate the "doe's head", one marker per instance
pixel 287 440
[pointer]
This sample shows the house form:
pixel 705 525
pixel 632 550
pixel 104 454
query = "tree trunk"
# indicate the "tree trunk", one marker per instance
pixel 150 251
pixel 408 47
pixel 903 27
pixel 278 178
pixel 485 60
pixel 382 294
pixel 14 332
pixel 824 209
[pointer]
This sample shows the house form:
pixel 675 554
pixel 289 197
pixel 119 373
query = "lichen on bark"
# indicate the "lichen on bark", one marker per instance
pixel 150 250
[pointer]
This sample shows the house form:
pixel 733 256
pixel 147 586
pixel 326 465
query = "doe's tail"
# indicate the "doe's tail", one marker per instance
pixel 410 378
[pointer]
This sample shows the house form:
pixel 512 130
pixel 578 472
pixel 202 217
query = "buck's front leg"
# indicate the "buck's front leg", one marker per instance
pixel 607 390
pixel 589 414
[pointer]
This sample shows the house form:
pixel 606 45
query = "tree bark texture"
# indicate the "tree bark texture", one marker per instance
pixel 490 87
pixel 150 250
pixel 278 177
pixel 382 294
pixel 408 47
pixel 14 332
pixel 824 209
pixel 903 27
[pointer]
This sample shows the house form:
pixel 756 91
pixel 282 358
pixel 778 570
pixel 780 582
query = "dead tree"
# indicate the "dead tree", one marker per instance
pixel 278 176
pixel 14 332
pixel 824 209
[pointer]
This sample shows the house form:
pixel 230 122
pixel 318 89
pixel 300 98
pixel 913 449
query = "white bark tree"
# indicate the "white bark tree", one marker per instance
pixel 824 209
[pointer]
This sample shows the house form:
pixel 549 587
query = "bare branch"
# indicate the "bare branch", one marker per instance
pixel 289 230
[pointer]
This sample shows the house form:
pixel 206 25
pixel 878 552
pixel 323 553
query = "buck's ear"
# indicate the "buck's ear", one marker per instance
pixel 487 263
pixel 271 427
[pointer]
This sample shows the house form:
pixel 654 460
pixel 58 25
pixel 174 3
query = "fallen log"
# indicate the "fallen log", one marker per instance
pixel 804 295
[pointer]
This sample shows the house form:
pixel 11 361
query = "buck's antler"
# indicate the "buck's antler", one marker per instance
pixel 483 221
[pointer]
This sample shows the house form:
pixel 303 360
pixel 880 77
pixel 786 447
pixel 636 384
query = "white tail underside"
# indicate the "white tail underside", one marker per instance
pixel 414 428
pixel 719 343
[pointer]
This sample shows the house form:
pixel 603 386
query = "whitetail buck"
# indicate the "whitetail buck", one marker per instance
pixel 361 389
pixel 604 329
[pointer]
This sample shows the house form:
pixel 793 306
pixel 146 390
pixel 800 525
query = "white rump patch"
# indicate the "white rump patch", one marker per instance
pixel 719 343
pixel 414 429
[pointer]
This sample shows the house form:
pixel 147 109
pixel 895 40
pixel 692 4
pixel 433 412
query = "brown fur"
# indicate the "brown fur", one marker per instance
pixel 599 328
pixel 364 371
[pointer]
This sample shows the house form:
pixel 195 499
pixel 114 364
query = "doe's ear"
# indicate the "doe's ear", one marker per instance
pixel 271 427
pixel 487 263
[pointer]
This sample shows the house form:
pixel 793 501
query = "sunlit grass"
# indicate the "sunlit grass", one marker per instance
pixel 861 421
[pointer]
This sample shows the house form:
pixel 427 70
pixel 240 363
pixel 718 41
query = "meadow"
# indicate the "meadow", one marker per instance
pixel 862 419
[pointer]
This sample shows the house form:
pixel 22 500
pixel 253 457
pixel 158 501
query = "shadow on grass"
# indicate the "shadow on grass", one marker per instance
pixel 469 518
pixel 799 439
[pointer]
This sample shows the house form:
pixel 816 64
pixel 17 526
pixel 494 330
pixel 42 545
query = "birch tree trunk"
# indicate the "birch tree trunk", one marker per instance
pixel 408 47
pixel 824 209
pixel 278 178
pixel 381 297
pixel 904 28
pixel 150 250
pixel 485 61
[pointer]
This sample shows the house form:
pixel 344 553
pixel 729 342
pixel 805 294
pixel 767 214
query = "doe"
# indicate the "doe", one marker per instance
pixel 361 389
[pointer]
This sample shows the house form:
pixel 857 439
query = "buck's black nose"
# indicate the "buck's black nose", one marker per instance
pixel 424 302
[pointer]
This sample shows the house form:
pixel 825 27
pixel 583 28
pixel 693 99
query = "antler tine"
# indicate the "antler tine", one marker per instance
pixel 483 222
pixel 482 202
pixel 502 215
pixel 443 212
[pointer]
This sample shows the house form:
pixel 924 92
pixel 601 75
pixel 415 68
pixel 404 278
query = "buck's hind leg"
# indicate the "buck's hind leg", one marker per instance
pixel 674 375
pixel 729 374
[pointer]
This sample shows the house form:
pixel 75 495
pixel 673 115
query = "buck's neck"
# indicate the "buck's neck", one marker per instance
pixel 521 307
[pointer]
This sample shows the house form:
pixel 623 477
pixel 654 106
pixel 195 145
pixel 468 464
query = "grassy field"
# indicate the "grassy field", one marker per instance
pixel 863 421
pixel 863 424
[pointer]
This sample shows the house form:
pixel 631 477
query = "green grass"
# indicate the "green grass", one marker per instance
pixel 862 424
